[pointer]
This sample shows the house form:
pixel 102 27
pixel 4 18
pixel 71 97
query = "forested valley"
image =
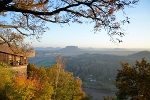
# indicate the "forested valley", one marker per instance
pixel 73 77
pixel 97 70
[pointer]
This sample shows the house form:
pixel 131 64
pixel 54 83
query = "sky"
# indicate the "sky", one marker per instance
pixel 81 35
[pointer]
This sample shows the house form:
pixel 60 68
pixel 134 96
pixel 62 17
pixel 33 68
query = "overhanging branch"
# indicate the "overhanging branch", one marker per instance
pixel 9 26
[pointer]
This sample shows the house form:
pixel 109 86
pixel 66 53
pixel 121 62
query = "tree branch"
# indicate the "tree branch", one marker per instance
pixel 14 9
pixel 9 26
pixel 3 4
pixel 5 40
pixel 53 21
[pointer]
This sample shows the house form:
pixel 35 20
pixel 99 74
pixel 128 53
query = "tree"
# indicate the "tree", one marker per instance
pixel 43 88
pixel 134 82
pixel 66 87
pixel 27 18
pixel 55 83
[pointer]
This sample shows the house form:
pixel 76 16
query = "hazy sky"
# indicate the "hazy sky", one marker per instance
pixel 81 35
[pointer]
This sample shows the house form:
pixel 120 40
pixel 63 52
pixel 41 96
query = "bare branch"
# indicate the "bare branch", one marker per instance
pixel 8 26
pixel 53 21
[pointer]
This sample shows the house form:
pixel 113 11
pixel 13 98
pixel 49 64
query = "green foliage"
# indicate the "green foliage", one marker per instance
pixel 5 79
pixel 5 75
pixel 66 87
pixel 134 82
pixel 55 83
pixel 30 68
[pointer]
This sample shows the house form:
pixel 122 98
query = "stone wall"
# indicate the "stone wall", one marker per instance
pixel 20 70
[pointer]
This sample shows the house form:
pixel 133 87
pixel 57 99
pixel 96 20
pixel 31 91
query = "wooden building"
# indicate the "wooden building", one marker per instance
pixel 7 55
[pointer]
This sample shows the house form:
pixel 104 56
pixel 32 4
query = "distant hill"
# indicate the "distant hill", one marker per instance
pixel 140 55
pixel 47 48
pixel 70 49
pixel 120 49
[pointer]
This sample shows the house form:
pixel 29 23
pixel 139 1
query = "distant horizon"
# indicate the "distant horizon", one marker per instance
pixel 85 47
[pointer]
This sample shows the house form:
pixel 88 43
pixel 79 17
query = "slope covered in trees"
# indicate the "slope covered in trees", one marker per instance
pixel 96 70
pixel 141 54
pixel 100 70
pixel 53 83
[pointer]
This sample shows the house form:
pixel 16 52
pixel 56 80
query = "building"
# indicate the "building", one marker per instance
pixel 7 55
pixel 17 61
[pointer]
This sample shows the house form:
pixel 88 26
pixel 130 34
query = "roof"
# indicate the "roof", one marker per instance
pixel 6 49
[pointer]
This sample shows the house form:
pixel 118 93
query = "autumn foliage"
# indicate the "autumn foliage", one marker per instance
pixel 52 83
pixel 133 82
